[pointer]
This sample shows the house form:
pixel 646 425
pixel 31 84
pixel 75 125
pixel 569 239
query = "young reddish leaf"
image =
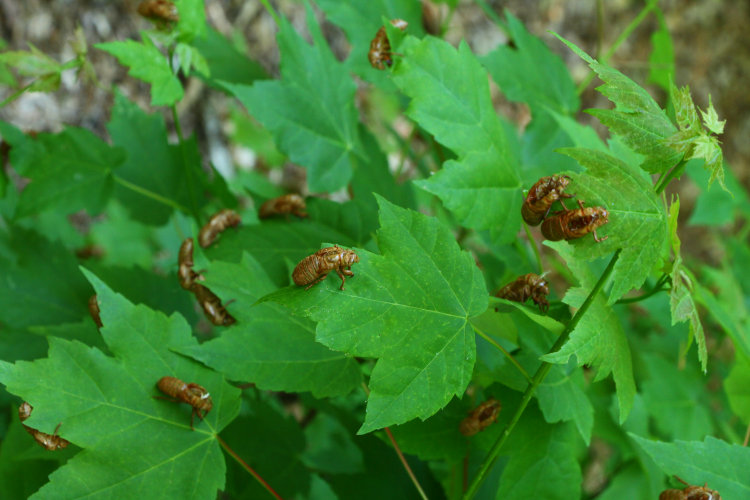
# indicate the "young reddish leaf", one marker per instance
pixel 147 63
pixel 599 339
pixel 482 186
pixel 310 111
pixel 269 347
pixel 106 406
pixel 410 307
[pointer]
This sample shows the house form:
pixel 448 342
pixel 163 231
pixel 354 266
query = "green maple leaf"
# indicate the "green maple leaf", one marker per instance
pixel 637 119
pixel 152 163
pixel 269 347
pixel 676 399
pixel 69 171
pixel 735 385
pixel 681 301
pixel 361 20
pixel 721 465
pixel 107 406
pixel 637 222
pixel 147 63
pixel 696 140
pixel 598 339
pixel 482 186
pixel 410 307
pixel 310 111
pixel 276 244
pixel 517 72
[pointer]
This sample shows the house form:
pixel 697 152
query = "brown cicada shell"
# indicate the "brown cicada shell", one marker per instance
pixel 576 223
pixel 50 442
pixel 542 195
pixel 314 268
pixel 529 286
pixel 480 417
pixel 380 54
pixel 690 493
pixel 212 307
pixel 161 11
pixel 193 394
pixel 185 271
pixel 283 205
pixel 216 224
pixel 94 311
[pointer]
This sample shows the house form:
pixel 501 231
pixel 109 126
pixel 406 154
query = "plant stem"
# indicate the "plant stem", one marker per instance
pixel 667 177
pixel 747 436
pixel 658 287
pixel 532 242
pixel 491 457
pixel 507 354
pixel 400 454
pixel 186 165
pixel 248 468
pixel 148 193
pixel 493 16
pixel 620 39
pixel 270 10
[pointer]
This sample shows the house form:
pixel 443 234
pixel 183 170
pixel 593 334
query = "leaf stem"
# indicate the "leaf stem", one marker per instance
pixel 148 193
pixel 400 454
pixel 491 457
pixel 493 16
pixel 532 242
pixel 747 436
pixel 507 354
pixel 616 45
pixel 658 287
pixel 270 10
pixel 186 165
pixel 667 177
pixel 247 467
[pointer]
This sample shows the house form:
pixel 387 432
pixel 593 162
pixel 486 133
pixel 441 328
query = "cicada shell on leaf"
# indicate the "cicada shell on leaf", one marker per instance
pixel 94 311
pixel 480 417
pixel 212 306
pixel 50 442
pixel 314 268
pixel 193 394
pixel 185 271
pixel 576 223
pixel 541 196
pixel 161 11
pixel 529 286
pixel 283 205
pixel 216 224
pixel 690 493
pixel 380 54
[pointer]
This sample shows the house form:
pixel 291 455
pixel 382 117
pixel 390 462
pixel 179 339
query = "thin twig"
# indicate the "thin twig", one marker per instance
pixel 400 455
pixel 532 242
pixel 507 354
pixel 248 468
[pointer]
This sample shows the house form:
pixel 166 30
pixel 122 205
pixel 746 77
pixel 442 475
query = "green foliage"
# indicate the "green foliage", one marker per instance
pixel 410 308
pixel 333 380
pixel 147 63
pixel 481 187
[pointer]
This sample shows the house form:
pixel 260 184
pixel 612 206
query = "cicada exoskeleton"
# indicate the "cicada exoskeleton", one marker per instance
pixel 480 417
pixel 541 196
pixel 380 54
pixel 216 224
pixel 283 205
pixel 185 272
pixel 193 394
pixel 50 442
pixel 212 306
pixel 314 268
pixel 529 286
pixel 575 223
pixel 690 493
pixel 159 11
